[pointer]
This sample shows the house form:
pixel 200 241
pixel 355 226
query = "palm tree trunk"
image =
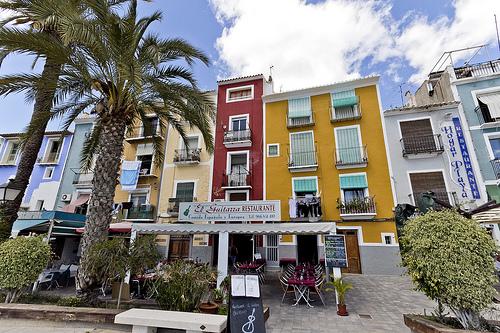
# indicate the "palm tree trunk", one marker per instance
pixel 109 153
pixel 31 147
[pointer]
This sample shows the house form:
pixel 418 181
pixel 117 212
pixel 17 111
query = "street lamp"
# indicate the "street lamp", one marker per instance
pixel 9 191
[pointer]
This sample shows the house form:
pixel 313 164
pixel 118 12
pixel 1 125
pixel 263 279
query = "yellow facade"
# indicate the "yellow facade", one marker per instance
pixel 279 178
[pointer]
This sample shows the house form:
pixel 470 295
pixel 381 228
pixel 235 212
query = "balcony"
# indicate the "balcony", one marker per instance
pixel 496 167
pixel 297 122
pixel 50 158
pixel 449 198
pixel 140 133
pixel 302 161
pixel 357 209
pixel 236 139
pixel 308 209
pixel 478 70
pixel 352 157
pixel 345 113
pixel 485 118
pixel 236 180
pixel 423 145
pixel 187 156
pixel 82 179
pixel 143 212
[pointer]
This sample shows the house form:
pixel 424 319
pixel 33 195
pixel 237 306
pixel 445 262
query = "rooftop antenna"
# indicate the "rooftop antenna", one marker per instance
pixel 496 26
pixel 271 73
pixel 401 93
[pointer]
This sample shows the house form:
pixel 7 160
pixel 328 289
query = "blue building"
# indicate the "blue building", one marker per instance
pixel 46 176
pixel 76 184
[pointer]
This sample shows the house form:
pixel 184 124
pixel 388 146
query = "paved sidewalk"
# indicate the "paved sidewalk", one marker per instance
pixel 376 304
pixel 41 326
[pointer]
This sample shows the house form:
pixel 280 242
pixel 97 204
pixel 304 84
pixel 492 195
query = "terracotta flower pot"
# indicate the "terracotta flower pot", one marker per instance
pixel 342 310
pixel 210 308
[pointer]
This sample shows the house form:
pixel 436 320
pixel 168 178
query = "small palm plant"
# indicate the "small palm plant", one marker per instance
pixel 341 288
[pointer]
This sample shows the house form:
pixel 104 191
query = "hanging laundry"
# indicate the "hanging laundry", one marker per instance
pixel 292 208
pixel 130 175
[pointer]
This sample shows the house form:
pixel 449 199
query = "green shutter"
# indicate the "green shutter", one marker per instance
pixel 185 192
pixel 302 148
pixel 344 98
pixel 305 185
pixel 348 145
pixel 299 107
pixel 353 181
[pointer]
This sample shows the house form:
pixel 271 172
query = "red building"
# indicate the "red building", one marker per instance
pixel 239 152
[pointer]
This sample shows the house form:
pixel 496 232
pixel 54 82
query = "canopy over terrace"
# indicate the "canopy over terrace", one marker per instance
pixel 224 229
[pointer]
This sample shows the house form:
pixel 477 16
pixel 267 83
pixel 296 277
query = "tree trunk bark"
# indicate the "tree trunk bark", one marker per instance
pixel 109 153
pixel 41 115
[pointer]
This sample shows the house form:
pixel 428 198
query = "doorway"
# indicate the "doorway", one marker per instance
pixel 352 249
pixel 244 246
pixel 272 252
pixel 178 247
pixel 307 248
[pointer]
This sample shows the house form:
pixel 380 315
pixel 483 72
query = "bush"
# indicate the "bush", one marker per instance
pixel 71 301
pixel 22 260
pixel 450 259
pixel 182 285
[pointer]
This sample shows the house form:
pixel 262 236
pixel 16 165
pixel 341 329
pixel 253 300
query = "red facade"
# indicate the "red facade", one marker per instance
pixel 238 155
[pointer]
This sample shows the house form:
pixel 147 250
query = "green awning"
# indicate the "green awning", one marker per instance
pixel 344 98
pixel 299 107
pixel 305 185
pixel 20 225
pixel 353 181
pixel 61 227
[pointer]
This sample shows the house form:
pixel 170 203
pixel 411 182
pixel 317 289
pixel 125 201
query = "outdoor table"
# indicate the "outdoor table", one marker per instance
pixel 301 288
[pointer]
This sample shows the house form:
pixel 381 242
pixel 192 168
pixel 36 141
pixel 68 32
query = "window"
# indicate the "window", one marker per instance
pixel 354 187
pixel 12 150
pixel 239 94
pixel 417 137
pixel 145 155
pixel 305 203
pixel 495 147
pixel 351 194
pixel 192 142
pixel 349 148
pixel 49 171
pixel 138 199
pixel 150 126
pixel 422 182
pixel 273 150
pixel 185 192
pixel 39 205
pixel 302 149
pixel 388 238
pixel 345 105
pixel 299 111
pixel 239 123
pixel 305 186
pixel 52 152
pixel 237 169
pixel 489 106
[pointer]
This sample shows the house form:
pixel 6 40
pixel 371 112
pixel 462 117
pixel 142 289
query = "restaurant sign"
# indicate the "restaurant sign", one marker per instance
pixel 231 211
pixel 335 251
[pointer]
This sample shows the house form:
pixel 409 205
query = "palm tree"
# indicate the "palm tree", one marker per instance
pixel 32 28
pixel 123 73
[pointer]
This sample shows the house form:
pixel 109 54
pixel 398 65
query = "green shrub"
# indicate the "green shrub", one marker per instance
pixel 71 301
pixel 22 260
pixel 182 285
pixel 450 259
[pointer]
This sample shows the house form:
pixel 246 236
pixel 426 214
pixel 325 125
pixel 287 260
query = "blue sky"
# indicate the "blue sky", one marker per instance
pixel 309 42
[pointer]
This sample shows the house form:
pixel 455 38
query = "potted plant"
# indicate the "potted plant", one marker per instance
pixel 341 289
pixel 218 296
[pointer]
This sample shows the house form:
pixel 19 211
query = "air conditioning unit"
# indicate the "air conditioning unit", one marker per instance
pixel 66 197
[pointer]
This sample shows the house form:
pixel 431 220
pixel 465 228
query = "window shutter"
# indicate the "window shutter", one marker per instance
pixel 299 107
pixel 344 98
pixel 305 185
pixel 302 147
pixel 416 128
pixel 184 192
pixel 349 147
pixel 353 181
pixel 145 149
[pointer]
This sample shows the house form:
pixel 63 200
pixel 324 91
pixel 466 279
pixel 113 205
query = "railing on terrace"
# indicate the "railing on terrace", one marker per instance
pixel 82 177
pixel 351 156
pixel 236 179
pixel 495 163
pixel 361 206
pixel 237 136
pixel 143 212
pixel 484 115
pixel 292 122
pixel 302 159
pixel 187 155
pixel 478 70
pixel 143 132
pixel 345 113
pixel 173 205
pixel 422 144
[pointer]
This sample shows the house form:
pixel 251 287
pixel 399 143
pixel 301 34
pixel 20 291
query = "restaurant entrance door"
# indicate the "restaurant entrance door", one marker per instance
pixel 307 248
pixel 352 248
pixel 178 247
pixel 244 245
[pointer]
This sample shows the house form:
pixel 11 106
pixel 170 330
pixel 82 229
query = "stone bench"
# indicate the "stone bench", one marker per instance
pixel 147 321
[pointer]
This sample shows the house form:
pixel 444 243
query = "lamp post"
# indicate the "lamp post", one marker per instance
pixel 9 192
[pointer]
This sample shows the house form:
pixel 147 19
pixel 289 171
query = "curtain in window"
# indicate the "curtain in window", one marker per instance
pixel 299 107
pixel 302 147
pixel 349 147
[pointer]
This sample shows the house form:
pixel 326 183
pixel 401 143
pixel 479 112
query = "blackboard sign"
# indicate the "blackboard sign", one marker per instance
pixel 335 251
pixel 246 313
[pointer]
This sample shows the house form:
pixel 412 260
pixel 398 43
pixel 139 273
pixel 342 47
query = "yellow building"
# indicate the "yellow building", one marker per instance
pixel 326 160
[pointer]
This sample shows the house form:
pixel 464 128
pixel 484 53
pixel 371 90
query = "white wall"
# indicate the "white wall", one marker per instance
pixel 47 192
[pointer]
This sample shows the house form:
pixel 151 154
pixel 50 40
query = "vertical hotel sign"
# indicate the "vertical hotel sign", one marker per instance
pixel 460 161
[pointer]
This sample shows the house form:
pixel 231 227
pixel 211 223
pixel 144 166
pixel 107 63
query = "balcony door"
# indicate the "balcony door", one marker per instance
pixel 348 141
pixel 417 136
pixel 352 249
pixel 185 192
pixel 422 182
pixel 237 169
pixel 302 149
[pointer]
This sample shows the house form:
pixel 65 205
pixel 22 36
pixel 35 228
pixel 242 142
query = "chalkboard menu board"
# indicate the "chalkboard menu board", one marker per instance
pixel 335 251
pixel 246 313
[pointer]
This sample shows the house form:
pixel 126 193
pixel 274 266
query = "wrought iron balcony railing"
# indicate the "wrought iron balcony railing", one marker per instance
pixel 187 155
pixel 302 159
pixel 173 205
pixel 345 113
pixel 422 144
pixel 496 167
pixel 293 122
pixel 478 70
pixel 143 212
pixel 357 206
pixel 351 156
pixel 141 132
pixel 237 136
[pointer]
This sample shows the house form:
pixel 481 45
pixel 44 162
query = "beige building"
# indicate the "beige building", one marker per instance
pixel 186 177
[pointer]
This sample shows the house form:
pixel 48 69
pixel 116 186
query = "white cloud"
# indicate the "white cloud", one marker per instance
pixel 310 44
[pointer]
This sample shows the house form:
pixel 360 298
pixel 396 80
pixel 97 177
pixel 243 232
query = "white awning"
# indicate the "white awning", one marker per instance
pixel 254 229
pixel 489 216
pixel 493 103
